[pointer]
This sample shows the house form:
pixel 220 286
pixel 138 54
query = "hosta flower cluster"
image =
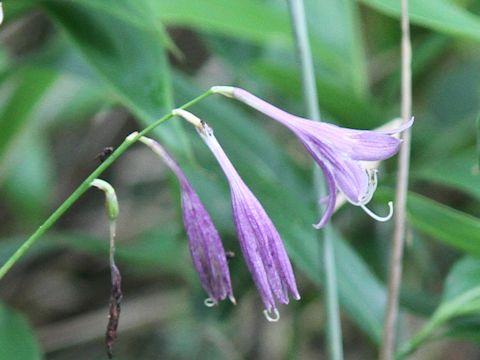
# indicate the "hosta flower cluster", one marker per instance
pixel 339 152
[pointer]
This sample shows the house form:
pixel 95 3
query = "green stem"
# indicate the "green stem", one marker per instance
pixel 334 330
pixel 85 185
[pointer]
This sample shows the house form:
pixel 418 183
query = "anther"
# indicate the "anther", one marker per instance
pixel 378 217
pixel 272 315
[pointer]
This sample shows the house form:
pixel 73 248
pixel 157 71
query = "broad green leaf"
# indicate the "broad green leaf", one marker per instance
pixel 337 24
pixel 28 186
pixel 355 112
pixel 477 125
pixel 23 91
pixel 17 340
pixel 250 20
pixel 14 8
pixel 450 226
pixel 360 292
pixel 128 55
pixel 439 15
pixel 114 45
pixel 461 300
pixel 463 276
pixel 457 171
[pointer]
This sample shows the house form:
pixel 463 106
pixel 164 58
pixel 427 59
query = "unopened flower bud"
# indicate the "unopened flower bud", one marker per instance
pixel 111 202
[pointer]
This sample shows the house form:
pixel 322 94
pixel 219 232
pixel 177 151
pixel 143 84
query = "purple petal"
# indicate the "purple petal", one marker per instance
pixel 260 242
pixel 356 144
pixel 331 198
pixel 205 246
pixel 352 180
pixel 349 176
pixel 206 249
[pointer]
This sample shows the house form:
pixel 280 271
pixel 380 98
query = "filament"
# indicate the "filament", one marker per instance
pixel 378 217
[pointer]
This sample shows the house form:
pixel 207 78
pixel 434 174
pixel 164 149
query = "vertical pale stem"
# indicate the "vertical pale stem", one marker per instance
pixel 395 276
pixel 297 13
pixel 334 332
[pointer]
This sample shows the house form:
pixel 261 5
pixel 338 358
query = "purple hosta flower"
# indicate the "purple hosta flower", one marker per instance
pixel 260 242
pixel 206 249
pixel 338 151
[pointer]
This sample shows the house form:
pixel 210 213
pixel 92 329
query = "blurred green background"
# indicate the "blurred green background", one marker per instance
pixel 79 75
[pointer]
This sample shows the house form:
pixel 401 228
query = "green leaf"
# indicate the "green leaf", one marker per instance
pixel 250 20
pixel 461 300
pixel 29 87
pixel 14 8
pixel 337 24
pixel 360 292
pixel 28 186
pixel 125 46
pixel 439 15
pixel 450 226
pixel 456 171
pixel 477 126
pixel 463 276
pixel 355 112
pixel 247 19
pixel 17 340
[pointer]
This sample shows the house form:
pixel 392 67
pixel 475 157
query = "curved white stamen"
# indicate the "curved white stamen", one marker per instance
pixel 377 217
pixel 272 315
pixel 209 302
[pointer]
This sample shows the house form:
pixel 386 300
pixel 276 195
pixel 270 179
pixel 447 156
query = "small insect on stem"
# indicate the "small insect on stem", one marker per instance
pixel 106 152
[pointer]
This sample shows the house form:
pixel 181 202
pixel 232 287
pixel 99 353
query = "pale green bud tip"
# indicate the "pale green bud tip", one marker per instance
pixel 223 90
pixel 1 13
pixel 192 119
pixel 111 202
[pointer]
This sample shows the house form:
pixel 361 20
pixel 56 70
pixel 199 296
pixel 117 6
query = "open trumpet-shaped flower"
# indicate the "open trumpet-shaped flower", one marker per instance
pixel 206 249
pixel 260 242
pixel 338 151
